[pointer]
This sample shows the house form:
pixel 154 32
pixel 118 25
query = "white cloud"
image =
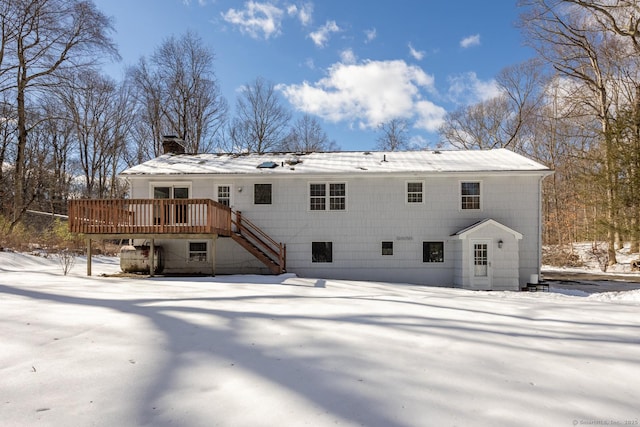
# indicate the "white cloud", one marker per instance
pixel 348 57
pixel 370 35
pixel 470 41
pixel 256 19
pixel 303 12
pixel 321 36
pixel 429 116
pixel 418 55
pixel 369 93
pixel 467 88
pixel 310 64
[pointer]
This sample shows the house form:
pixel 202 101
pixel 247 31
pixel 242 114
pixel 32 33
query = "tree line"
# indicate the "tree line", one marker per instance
pixel 576 108
pixel 66 129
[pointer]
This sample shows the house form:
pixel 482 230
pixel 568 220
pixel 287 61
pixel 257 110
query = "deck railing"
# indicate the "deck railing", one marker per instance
pixel 149 216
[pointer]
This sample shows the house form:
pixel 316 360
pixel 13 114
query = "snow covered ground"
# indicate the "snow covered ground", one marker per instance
pixel 288 351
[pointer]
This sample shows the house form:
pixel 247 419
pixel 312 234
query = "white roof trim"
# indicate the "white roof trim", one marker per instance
pixel 464 233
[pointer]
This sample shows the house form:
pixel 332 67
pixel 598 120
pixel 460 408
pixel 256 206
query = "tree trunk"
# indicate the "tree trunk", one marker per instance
pixel 18 200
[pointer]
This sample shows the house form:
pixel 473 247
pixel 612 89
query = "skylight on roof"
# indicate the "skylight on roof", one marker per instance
pixel 267 165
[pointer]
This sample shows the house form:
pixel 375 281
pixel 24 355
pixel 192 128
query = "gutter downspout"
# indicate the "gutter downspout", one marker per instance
pixel 542 177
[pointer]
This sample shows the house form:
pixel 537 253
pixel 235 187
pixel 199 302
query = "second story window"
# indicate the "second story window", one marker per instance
pixel 318 200
pixel 337 197
pixel 224 195
pixel 414 192
pixel 470 195
pixel 262 194
pixel 328 196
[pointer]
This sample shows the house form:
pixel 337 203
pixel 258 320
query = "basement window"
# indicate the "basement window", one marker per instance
pixel 387 248
pixel 198 251
pixel 432 251
pixel 321 251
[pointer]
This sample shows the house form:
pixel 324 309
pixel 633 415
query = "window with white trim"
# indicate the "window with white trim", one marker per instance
pixel 197 251
pixel 318 197
pixel 328 196
pixel 175 215
pixel 414 192
pixel 337 196
pixel 224 194
pixel 470 195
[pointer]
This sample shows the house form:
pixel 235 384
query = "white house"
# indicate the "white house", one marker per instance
pixel 469 219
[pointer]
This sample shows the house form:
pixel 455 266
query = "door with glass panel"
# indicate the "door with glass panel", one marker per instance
pixel 170 213
pixel 481 263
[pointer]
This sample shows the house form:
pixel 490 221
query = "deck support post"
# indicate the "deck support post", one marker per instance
pixel 152 250
pixel 213 254
pixel 88 257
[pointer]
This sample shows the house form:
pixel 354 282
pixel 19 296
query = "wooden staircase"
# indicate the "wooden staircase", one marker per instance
pixel 258 243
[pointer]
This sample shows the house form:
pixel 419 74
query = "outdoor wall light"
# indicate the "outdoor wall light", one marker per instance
pixel 239 189
pixel 500 243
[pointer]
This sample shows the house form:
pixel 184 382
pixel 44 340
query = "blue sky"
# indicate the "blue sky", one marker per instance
pixel 350 63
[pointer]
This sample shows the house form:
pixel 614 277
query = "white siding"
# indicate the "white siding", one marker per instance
pixel 376 211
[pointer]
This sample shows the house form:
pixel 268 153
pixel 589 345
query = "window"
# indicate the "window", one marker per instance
pixel 337 195
pixel 197 251
pixel 318 197
pixel 432 251
pixel 470 195
pixel 224 195
pixel 414 192
pixel 321 252
pixel 387 248
pixel 262 194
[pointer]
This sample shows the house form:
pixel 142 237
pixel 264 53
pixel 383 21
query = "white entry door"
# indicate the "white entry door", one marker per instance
pixel 481 263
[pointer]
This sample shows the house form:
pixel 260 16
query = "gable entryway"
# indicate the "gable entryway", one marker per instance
pixel 487 256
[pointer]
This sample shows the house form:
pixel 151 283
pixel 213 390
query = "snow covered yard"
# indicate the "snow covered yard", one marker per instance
pixel 288 351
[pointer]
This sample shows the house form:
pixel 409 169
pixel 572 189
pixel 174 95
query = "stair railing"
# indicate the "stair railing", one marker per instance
pixel 274 250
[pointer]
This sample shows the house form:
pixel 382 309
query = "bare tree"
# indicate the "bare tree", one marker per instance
pixel 179 93
pixel 394 135
pixel 101 118
pixel 503 121
pixel 565 34
pixel 8 137
pixel 621 17
pixel 261 122
pixel 478 126
pixel 43 40
pixel 307 135
pixel 59 133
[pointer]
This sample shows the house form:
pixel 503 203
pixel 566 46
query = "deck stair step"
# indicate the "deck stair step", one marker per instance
pixel 258 243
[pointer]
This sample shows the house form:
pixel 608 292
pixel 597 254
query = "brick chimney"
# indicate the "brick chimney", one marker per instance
pixel 171 144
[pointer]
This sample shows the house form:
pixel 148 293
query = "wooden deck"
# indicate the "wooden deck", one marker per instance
pixel 137 217
pixel 172 219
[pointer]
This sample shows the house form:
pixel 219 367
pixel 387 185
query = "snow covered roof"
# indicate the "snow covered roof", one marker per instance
pixel 350 162
pixel 462 234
